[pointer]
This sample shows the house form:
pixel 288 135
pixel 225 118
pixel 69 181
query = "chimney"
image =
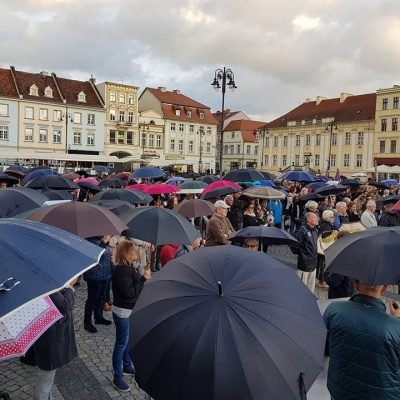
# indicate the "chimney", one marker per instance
pixel 319 99
pixel 308 100
pixel 344 96
pixel 162 89
pixel 177 91
pixel 92 79
pixel 44 73
pixel 227 111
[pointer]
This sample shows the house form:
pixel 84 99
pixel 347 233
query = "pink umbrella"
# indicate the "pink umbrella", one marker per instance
pixel 219 184
pixel 138 186
pixel 93 181
pixel 162 188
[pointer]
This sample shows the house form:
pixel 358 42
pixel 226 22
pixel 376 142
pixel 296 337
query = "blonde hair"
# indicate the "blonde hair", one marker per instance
pixel 123 249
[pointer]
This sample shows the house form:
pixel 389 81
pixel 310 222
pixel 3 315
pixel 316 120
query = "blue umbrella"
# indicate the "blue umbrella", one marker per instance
pixel 36 173
pixel 42 258
pixel 264 182
pixel 18 168
pixel 321 178
pixel 146 172
pixel 298 176
pixel 176 180
pixel 208 179
pixel 389 182
pixel 101 168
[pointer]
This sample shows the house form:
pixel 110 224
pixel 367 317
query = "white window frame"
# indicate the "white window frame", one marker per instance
pixel 28 134
pixel 158 141
pixel 4 109
pixel 90 139
pixel 113 96
pixel 77 138
pixel 77 118
pixel 172 144
pixel 43 135
pixel 113 114
pixel 3 132
pixel 56 135
pixel 91 119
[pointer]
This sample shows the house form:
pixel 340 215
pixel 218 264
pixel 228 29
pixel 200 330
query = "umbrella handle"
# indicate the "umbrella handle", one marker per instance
pixel 220 294
pixel 303 391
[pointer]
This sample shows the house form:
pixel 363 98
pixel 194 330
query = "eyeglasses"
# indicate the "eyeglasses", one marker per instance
pixel 250 246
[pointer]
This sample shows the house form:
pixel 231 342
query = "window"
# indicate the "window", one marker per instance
pixel 77 118
pixel 42 135
pixel 173 126
pixel 33 91
pixel 285 141
pixel 316 160
pixel 91 119
pixel 56 136
pixel 82 97
pixel 122 98
pixel 121 137
pixel 360 138
pixel 395 102
pixel 90 139
pixel 188 114
pixel 48 92
pixel 158 141
pixel 275 141
pixel 347 139
pixel 201 114
pixel 383 124
pixel 334 139
pixel 225 149
pixel 151 140
pixel 239 149
pixel 255 150
pixel 359 160
pixel 233 135
pixel 57 115
pixel 297 142
pixel 181 127
pixel 130 116
pixel 44 114
pixel 384 104
pixel 393 146
pixel 191 128
pixel 3 132
pixel 172 145
pixel 284 160
pixel 394 124
pixel 112 136
pixel 333 160
pixel 4 110
pixel 112 115
pixel 208 130
pixel 77 138
pixel 318 139
pixel 382 145
pixel 208 147
pixel 180 145
pixel 297 160
pixel 113 96
pixel 29 113
pixel 231 149
pixel 274 159
pixel 177 111
pixel 29 134
pixel 266 141
pixel 131 99
pixel 129 137
pixel 308 140
pixel 346 160
pixel 121 116
pixel 191 146
pixel 248 149
pixel 266 160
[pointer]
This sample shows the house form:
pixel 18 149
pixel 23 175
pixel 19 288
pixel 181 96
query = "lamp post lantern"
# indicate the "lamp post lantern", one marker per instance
pixel 329 128
pixel 220 82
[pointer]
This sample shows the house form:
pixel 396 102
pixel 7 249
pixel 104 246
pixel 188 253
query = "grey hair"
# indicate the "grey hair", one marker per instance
pixel 228 197
pixel 311 203
pixel 327 214
pixel 371 203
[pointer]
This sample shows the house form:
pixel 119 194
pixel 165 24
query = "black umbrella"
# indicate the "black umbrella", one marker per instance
pixel 394 198
pixel 89 186
pixel 15 201
pixel 52 182
pixel 330 189
pixel 267 175
pixel 10 180
pixel 57 194
pixel 350 182
pixel 371 256
pixel 218 192
pixel 158 226
pixel 113 183
pixel 243 175
pixel 208 179
pixel 117 207
pixel 380 185
pixel 307 197
pixel 131 196
pixel 226 323
pixel 268 235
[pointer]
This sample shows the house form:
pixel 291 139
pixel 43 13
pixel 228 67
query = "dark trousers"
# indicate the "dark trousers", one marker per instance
pixel 96 298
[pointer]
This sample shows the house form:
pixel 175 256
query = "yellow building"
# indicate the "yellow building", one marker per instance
pixel 322 135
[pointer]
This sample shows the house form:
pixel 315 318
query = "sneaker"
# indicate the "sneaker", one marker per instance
pixel 90 328
pixel 121 385
pixel 102 322
pixel 128 372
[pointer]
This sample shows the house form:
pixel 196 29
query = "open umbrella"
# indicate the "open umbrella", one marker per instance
pixel 220 184
pixel 82 219
pixel 267 175
pixel 14 201
pixel 10 180
pixel 146 172
pixel 268 235
pixel 71 175
pixel 176 180
pixel 194 208
pixel 220 324
pixel 315 185
pixel 138 186
pixel 219 191
pixel 390 182
pixel 101 168
pixel 369 256
pixel 92 187
pixel 162 188
pixel 131 196
pixel 243 175
pixel 264 182
pixel 192 187
pixel 208 179
pixel 42 258
pixel 297 176
pixel 93 181
pixel 159 226
pixel 57 194
pixel 19 168
pixel 330 189
pixel 263 192
pixel 113 183
pixel 117 207
pixel 52 182
pixel 307 197
pixel 37 173
pixel 350 182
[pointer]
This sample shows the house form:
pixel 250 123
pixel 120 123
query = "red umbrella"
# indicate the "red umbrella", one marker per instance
pixel 219 184
pixel 93 181
pixel 138 186
pixel 162 188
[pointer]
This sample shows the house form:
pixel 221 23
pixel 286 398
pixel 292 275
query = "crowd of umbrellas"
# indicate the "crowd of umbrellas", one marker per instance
pixel 222 322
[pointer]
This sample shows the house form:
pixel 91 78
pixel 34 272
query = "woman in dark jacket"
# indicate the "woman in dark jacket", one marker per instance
pixel 127 284
pixel 250 218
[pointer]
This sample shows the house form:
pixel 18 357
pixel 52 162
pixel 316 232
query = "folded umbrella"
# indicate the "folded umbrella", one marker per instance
pixel 243 175
pixel 226 323
pixel 194 208
pixel 268 235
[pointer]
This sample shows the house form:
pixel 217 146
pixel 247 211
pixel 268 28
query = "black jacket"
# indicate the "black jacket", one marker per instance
pixel 389 219
pixel 307 248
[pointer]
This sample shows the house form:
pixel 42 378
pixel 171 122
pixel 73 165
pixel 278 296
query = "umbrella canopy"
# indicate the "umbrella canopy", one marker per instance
pixel 221 325
pixel 15 174
pixel 264 182
pixel 315 185
pixel 71 175
pixel 146 172
pixel 390 182
pixel 93 181
pixel 113 183
pixel 298 176
pixel 138 186
pixel 394 198
pixel 42 258
pixel 92 187
pixel 307 197
pixel 267 175
pixel 268 235
pixel 18 168
pixel 159 226
pixel 117 207
pixel 194 208
pixel 218 192
pixel 350 182
pixel 37 173
pixel 162 188
pixel 51 182
pixel 359 175
pixel 57 194
pixel 321 178
pixel 243 175
pixel 14 201
pixel 263 192
pixel 208 179
pixel 330 189
pixel 378 184
pixel 131 196
pixel 176 180
pixel 192 187
pixel 101 168
pixel 10 180
pixel 82 219
pixel 369 256
pixel 220 184
pixel 169 168
pixel 20 329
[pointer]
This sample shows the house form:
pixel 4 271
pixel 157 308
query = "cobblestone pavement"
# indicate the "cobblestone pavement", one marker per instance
pixel 90 375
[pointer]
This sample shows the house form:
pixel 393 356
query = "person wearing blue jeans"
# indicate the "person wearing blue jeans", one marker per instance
pixel 127 283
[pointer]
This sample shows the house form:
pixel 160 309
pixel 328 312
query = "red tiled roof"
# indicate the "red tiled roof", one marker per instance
pixel 7 86
pixel 175 98
pixel 246 127
pixel 354 108
pixel 169 112
pixel 228 114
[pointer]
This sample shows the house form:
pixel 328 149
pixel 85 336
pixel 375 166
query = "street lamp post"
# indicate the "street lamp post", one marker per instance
pixel 221 76
pixel 329 128
pixel 201 134
pixel 144 125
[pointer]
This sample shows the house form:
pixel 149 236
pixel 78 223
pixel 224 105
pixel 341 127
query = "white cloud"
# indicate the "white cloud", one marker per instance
pixel 304 23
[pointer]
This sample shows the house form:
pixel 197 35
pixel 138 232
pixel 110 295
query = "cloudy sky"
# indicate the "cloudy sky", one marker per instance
pixel 281 52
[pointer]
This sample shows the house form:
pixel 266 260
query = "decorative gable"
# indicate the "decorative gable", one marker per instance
pixel 48 92
pixel 82 97
pixel 33 90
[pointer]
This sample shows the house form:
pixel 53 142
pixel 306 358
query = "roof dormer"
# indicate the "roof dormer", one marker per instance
pixel 82 97
pixel 33 90
pixel 48 92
